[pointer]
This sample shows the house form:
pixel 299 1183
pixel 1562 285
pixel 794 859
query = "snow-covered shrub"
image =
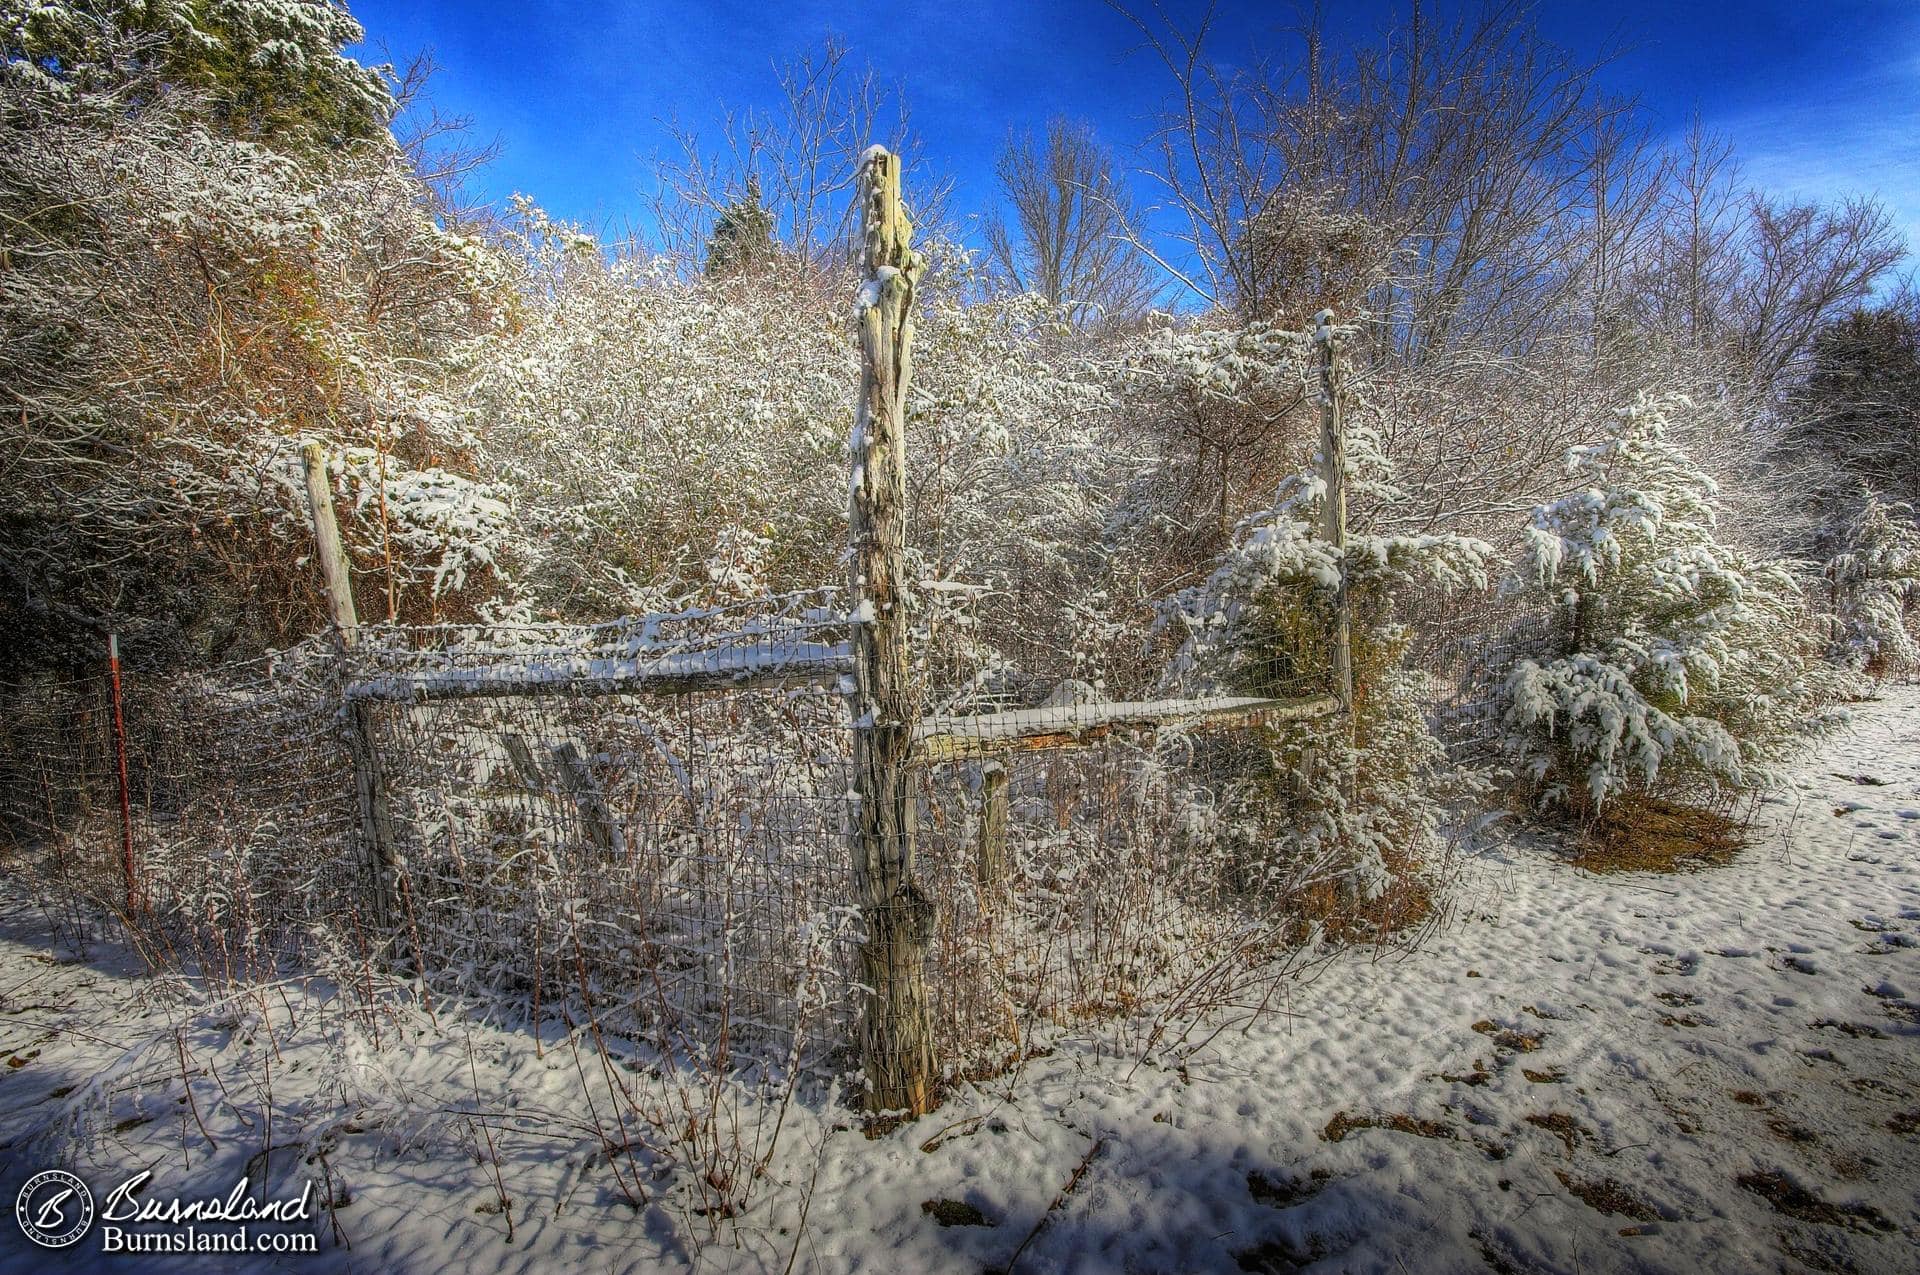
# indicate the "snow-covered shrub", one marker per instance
pixel 643 419
pixel 1340 805
pixel 1873 585
pixel 186 299
pixel 674 438
pixel 1661 660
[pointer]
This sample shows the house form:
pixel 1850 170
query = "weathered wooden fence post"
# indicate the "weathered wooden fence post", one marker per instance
pixel 990 857
pixel 896 1029
pixel 1333 471
pixel 376 823
pixel 576 776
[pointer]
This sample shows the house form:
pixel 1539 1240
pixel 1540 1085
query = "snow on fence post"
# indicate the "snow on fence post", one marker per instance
pixel 1333 471
pixel 376 823
pixel 896 1029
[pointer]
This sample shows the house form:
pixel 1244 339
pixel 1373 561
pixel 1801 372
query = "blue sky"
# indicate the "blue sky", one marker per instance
pixel 1821 99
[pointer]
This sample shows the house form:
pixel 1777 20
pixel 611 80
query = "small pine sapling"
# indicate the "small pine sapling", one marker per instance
pixel 1656 660
pixel 1873 587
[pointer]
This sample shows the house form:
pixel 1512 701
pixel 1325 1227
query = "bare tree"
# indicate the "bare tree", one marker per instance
pixel 1751 275
pixel 442 148
pixel 1424 177
pixel 1070 239
pixel 1806 263
pixel 1689 280
pixel 802 154
pixel 1627 176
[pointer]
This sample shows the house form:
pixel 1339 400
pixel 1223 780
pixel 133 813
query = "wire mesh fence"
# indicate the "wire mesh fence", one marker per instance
pixel 678 860
pixel 236 810
pixel 646 818
pixel 1454 651
pixel 650 822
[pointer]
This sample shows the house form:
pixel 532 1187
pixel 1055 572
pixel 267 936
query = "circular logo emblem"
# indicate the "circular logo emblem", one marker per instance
pixel 54 1208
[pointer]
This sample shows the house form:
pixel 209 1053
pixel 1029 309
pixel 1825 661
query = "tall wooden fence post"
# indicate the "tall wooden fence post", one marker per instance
pixel 1333 471
pixel 376 823
pixel 896 1029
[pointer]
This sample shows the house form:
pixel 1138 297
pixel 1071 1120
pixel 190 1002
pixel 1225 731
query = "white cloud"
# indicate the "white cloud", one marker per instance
pixel 1855 137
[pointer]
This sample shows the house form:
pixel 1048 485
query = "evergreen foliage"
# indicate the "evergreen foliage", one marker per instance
pixel 1859 408
pixel 262 70
pixel 1873 582
pixel 1664 660
pixel 1348 802
pixel 742 239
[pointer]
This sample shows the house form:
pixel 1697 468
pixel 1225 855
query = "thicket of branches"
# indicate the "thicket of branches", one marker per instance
pixel 220 237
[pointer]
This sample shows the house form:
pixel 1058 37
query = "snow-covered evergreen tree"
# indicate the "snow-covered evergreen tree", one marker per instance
pixel 271 71
pixel 742 236
pixel 1660 658
pixel 1873 582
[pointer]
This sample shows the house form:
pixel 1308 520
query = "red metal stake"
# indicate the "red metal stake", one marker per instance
pixel 126 798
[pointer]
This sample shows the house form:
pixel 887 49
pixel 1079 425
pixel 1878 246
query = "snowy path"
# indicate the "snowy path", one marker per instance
pixel 1725 1060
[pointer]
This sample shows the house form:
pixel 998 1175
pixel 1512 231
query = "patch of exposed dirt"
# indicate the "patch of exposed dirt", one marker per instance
pixel 1284 1193
pixel 1478 1076
pixel 1647 834
pixel 1496 1259
pixel 1278 1257
pixel 1859 1031
pixel 1787 1131
pixel 1560 1125
pixel 1795 1201
pixel 1517 1039
pixel 1343 1124
pixel 1903 1012
pixel 1609 1196
pixel 955 1213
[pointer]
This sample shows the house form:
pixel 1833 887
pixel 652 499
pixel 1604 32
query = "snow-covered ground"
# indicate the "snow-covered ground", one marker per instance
pixel 1707 1072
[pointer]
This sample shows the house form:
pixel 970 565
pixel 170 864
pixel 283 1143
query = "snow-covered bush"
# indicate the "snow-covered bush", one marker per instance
pixel 1873 586
pixel 680 438
pixel 1659 659
pixel 187 294
pixel 1344 803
